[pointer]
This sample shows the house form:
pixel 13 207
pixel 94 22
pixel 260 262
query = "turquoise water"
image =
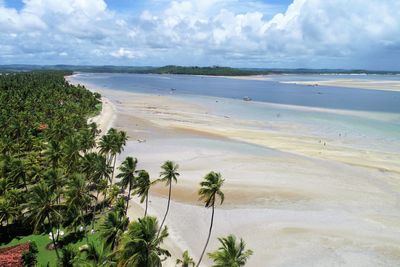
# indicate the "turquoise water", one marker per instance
pixel 367 119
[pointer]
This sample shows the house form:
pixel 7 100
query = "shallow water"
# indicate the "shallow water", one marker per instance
pixel 270 91
pixel 366 119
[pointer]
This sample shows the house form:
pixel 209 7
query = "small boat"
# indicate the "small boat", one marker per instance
pixel 247 98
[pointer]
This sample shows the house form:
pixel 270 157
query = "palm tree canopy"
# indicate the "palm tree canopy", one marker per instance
pixel 142 186
pixel 127 172
pixel 231 253
pixel 211 188
pixel 106 143
pixel 186 260
pixel 112 228
pixel 42 204
pixel 169 172
pixel 141 246
pixel 78 195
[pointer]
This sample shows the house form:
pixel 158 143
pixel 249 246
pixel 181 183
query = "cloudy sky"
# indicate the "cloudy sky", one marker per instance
pixel 241 33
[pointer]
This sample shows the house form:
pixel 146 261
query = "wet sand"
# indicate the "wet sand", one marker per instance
pixel 354 83
pixel 294 201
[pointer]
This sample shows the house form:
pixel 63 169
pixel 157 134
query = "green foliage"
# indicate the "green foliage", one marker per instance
pixel 29 257
pixel 69 254
pixel 211 188
pixel 231 253
pixel 141 245
pixel 186 260
pixel 214 71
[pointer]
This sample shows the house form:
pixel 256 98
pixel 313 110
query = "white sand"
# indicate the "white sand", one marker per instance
pixel 354 83
pixel 294 206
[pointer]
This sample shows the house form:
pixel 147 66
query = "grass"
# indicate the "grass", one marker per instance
pixel 47 257
pixel 44 255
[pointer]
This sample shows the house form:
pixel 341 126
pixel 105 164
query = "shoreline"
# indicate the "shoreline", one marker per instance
pixel 392 86
pixel 300 203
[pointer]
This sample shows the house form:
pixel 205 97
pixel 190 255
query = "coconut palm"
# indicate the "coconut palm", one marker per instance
pixel 7 211
pixel 209 191
pixel 113 193
pixel 127 176
pixel 55 179
pixel 54 153
pixel 118 143
pixel 140 245
pixel 18 173
pixel 142 188
pixel 168 174
pixel 112 228
pixel 78 197
pixel 93 256
pixel 105 144
pixel 120 206
pixel 71 151
pixel 69 255
pixel 186 260
pixel 87 140
pixel 42 207
pixel 231 253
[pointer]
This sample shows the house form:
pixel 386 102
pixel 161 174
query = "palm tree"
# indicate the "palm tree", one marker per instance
pixel 141 246
pixel 112 144
pixel 79 197
pixel 93 256
pixel 105 144
pixel 186 260
pixel 113 193
pixel 119 141
pixel 42 206
pixel 112 228
pixel 71 152
pixel 7 211
pixel 231 254
pixel 87 140
pixel 69 253
pixel 142 188
pixel 55 180
pixel 209 191
pixel 120 206
pixel 127 175
pixel 168 174
pixel 18 173
pixel 54 153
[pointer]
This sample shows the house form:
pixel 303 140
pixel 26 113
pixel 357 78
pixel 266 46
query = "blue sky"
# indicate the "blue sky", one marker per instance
pixel 241 33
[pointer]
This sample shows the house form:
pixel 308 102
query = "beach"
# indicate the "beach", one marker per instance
pixel 296 195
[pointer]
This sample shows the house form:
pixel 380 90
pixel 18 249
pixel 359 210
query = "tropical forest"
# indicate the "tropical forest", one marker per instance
pixel 63 191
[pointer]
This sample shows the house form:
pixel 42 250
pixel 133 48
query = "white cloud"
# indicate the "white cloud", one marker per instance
pixel 310 33
pixel 124 53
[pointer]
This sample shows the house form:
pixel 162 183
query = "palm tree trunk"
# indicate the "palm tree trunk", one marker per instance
pixel 165 216
pixel 129 198
pixel 84 226
pixel 26 187
pixel 147 204
pixel 52 237
pixel 208 238
pixel 112 176
pixel 94 210
pixel 104 201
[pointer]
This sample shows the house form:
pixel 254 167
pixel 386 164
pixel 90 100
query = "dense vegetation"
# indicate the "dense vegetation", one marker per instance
pixel 192 70
pixel 56 183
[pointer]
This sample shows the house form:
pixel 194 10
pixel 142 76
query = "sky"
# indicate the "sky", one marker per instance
pixel 349 34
